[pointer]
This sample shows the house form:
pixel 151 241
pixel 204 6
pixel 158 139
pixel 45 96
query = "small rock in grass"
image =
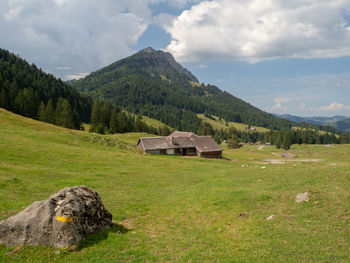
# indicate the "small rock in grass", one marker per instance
pixel 270 217
pixel 73 248
pixel 302 197
pixel 57 252
pixel 263 167
pixel 244 165
pixel 259 180
pixel 307 221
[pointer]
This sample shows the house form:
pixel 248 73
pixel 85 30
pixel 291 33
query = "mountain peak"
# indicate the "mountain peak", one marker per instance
pixel 155 63
pixel 160 63
pixel 147 50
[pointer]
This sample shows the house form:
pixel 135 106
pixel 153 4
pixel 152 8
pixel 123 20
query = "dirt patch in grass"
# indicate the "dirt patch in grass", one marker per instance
pixel 127 223
pixel 284 161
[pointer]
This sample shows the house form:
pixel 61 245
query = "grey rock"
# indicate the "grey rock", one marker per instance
pixel 288 155
pixel 303 197
pixel 62 202
pixel 64 219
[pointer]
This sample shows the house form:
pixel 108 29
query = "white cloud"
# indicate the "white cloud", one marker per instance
pixel 256 30
pixel 84 35
pixel 75 76
pixel 278 103
pixel 334 106
pixel 302 106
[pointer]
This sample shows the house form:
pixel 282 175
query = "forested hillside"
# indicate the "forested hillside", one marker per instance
pixel 343 125
pixel 27 90
pixel 153 84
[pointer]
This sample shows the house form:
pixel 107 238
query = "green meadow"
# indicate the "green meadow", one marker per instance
pixel 180 209
pixel 218 124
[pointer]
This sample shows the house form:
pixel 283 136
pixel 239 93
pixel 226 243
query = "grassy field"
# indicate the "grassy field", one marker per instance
pixel 177 209
pixel 221 124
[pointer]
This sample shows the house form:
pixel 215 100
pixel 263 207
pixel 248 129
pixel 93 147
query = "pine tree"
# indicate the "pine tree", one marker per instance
pixel 50 112
pixel 217 138
pixel 130 123
pixel 113 124
pixel 139 124
pixel 12 94
pixel 287 141
pixel 278 141
pixel 232 139
pixel 58 110
pixel 66 115
pixel 95 114
pixel 18 103
pixel 122 121
pixel 105 115
pixel 31 103
pixel 42 112
pixel 4 100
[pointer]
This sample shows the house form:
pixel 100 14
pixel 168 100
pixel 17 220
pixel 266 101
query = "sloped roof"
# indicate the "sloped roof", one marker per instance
pixel 181 134
pixel 205 144
pixel 154 143
pixel 180 140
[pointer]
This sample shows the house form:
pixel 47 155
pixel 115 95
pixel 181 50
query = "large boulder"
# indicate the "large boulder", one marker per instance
pixel 60 221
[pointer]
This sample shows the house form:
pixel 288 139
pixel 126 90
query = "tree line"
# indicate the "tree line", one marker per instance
pixel 106 119
pixel 281 139
pixel 28 91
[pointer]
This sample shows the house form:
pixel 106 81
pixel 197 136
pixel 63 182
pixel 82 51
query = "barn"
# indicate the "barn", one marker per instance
pixel 181 143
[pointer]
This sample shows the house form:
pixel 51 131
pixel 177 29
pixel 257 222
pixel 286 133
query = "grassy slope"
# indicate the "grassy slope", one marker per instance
pixel 179 209
pixel 152 122
pixel 321 132
pixel 221 124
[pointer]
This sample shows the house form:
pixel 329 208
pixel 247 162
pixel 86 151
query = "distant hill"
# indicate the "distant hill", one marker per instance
pixel 343 125
pixel 339 122
pixel 28 91
pixel 153 84
pixel 314 120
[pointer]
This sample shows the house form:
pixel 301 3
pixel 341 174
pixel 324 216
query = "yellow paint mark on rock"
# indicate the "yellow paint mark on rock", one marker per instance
pixel 64 219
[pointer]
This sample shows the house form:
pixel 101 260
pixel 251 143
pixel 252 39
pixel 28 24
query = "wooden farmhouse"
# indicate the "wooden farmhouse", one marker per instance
pixel 181 143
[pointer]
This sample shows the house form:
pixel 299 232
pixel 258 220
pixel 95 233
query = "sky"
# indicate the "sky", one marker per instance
pixel 284 57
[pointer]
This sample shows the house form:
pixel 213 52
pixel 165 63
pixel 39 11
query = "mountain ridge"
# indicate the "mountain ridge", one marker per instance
pixel 337 121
